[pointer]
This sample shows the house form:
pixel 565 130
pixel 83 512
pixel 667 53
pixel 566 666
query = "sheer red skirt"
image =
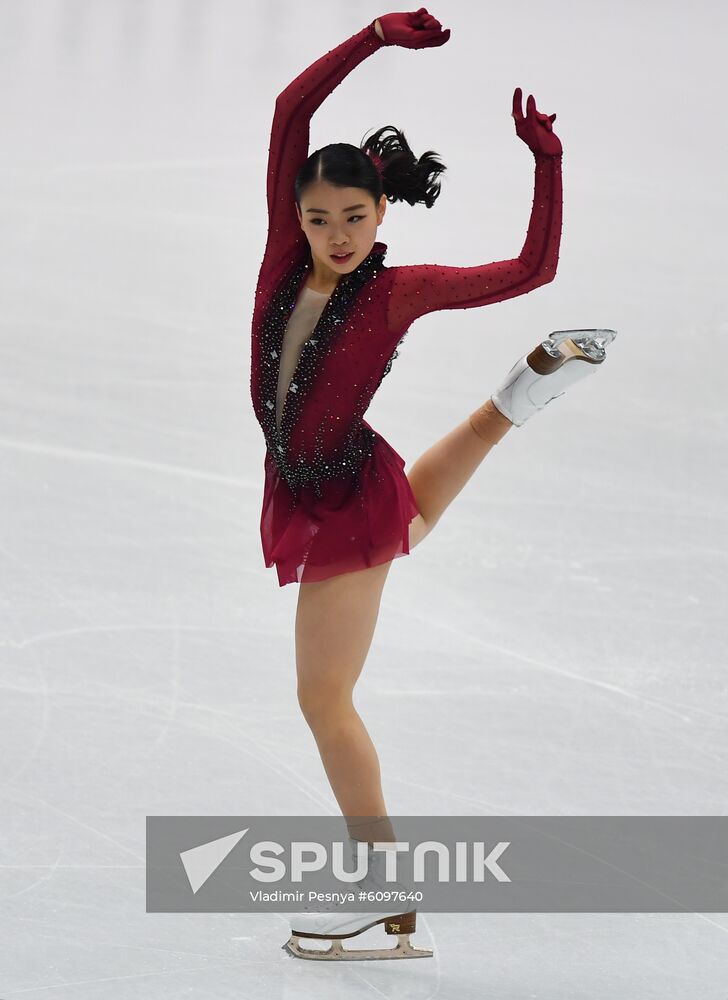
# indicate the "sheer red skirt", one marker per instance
pixel 309 538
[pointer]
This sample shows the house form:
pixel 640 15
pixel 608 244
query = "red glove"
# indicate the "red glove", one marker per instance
pixel 417 30
pixel 535 129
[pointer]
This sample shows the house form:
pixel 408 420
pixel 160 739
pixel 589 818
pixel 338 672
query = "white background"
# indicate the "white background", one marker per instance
pixel 556 646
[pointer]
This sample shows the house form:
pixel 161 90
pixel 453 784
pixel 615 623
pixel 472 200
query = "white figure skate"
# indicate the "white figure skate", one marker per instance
pixel 565 357
pixel 331 924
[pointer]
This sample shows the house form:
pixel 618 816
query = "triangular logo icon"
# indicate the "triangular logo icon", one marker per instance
pixel 202 861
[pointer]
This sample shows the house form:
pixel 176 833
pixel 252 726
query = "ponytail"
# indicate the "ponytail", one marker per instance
pixel 404 176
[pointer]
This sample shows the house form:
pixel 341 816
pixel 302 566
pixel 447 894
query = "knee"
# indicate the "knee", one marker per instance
pixel 324 707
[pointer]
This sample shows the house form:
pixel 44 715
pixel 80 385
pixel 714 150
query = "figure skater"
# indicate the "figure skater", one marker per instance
pixel 328 318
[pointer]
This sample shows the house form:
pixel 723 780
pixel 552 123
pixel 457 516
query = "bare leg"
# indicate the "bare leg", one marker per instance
pixel 441 472
pixel 335 622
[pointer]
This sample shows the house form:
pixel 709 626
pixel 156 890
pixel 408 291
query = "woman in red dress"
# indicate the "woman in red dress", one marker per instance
pixel 329 316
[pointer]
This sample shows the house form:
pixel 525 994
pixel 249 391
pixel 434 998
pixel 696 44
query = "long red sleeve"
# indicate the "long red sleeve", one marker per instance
pixel 290 131
pixel 336 497
pixel 421 288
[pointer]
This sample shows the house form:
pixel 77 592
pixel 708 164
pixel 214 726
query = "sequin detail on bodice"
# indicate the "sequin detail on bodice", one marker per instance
pixel 348 459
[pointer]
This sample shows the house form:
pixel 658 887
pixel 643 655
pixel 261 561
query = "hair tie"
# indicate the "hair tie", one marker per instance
pixel 376 160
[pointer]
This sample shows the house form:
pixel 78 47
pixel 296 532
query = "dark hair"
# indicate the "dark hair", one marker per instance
pixel 404 177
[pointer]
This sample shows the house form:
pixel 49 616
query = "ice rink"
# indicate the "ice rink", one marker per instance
pixel 554 647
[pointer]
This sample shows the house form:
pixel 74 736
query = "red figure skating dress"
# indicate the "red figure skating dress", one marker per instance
pixel 335 496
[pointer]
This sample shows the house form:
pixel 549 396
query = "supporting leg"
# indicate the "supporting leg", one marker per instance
pixel 335 622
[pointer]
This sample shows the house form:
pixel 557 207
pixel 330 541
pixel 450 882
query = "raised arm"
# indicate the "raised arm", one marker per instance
pixel 423 288
pixel 289 139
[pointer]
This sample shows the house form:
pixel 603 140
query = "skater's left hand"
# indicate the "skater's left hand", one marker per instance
pixel 536 128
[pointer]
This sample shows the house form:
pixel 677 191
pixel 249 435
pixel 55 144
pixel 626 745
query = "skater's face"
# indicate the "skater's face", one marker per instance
pixel 339 220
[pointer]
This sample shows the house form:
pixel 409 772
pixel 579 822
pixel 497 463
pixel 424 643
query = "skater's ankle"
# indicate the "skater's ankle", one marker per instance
pixel 490 407
pixel 370 829
pixel 489 423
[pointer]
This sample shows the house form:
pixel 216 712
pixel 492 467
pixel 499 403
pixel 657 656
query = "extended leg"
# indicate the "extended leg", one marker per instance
pixel 443 470
pixel 563 358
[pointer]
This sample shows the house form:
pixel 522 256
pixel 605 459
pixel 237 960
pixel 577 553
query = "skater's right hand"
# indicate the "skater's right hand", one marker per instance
pixel 415 30
pixel 535 129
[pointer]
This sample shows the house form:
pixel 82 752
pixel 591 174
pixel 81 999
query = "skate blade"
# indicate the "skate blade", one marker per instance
pixel 337 953
pixel 545 359
pixel 569 349
pixel 589 344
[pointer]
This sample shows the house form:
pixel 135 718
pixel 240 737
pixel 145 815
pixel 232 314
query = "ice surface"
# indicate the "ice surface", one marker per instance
pixel 557 642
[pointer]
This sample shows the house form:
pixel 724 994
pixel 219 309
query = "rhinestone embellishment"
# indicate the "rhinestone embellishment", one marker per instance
pixel 348 458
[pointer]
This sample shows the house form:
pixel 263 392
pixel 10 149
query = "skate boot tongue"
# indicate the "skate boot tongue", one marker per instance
pixel 375 878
